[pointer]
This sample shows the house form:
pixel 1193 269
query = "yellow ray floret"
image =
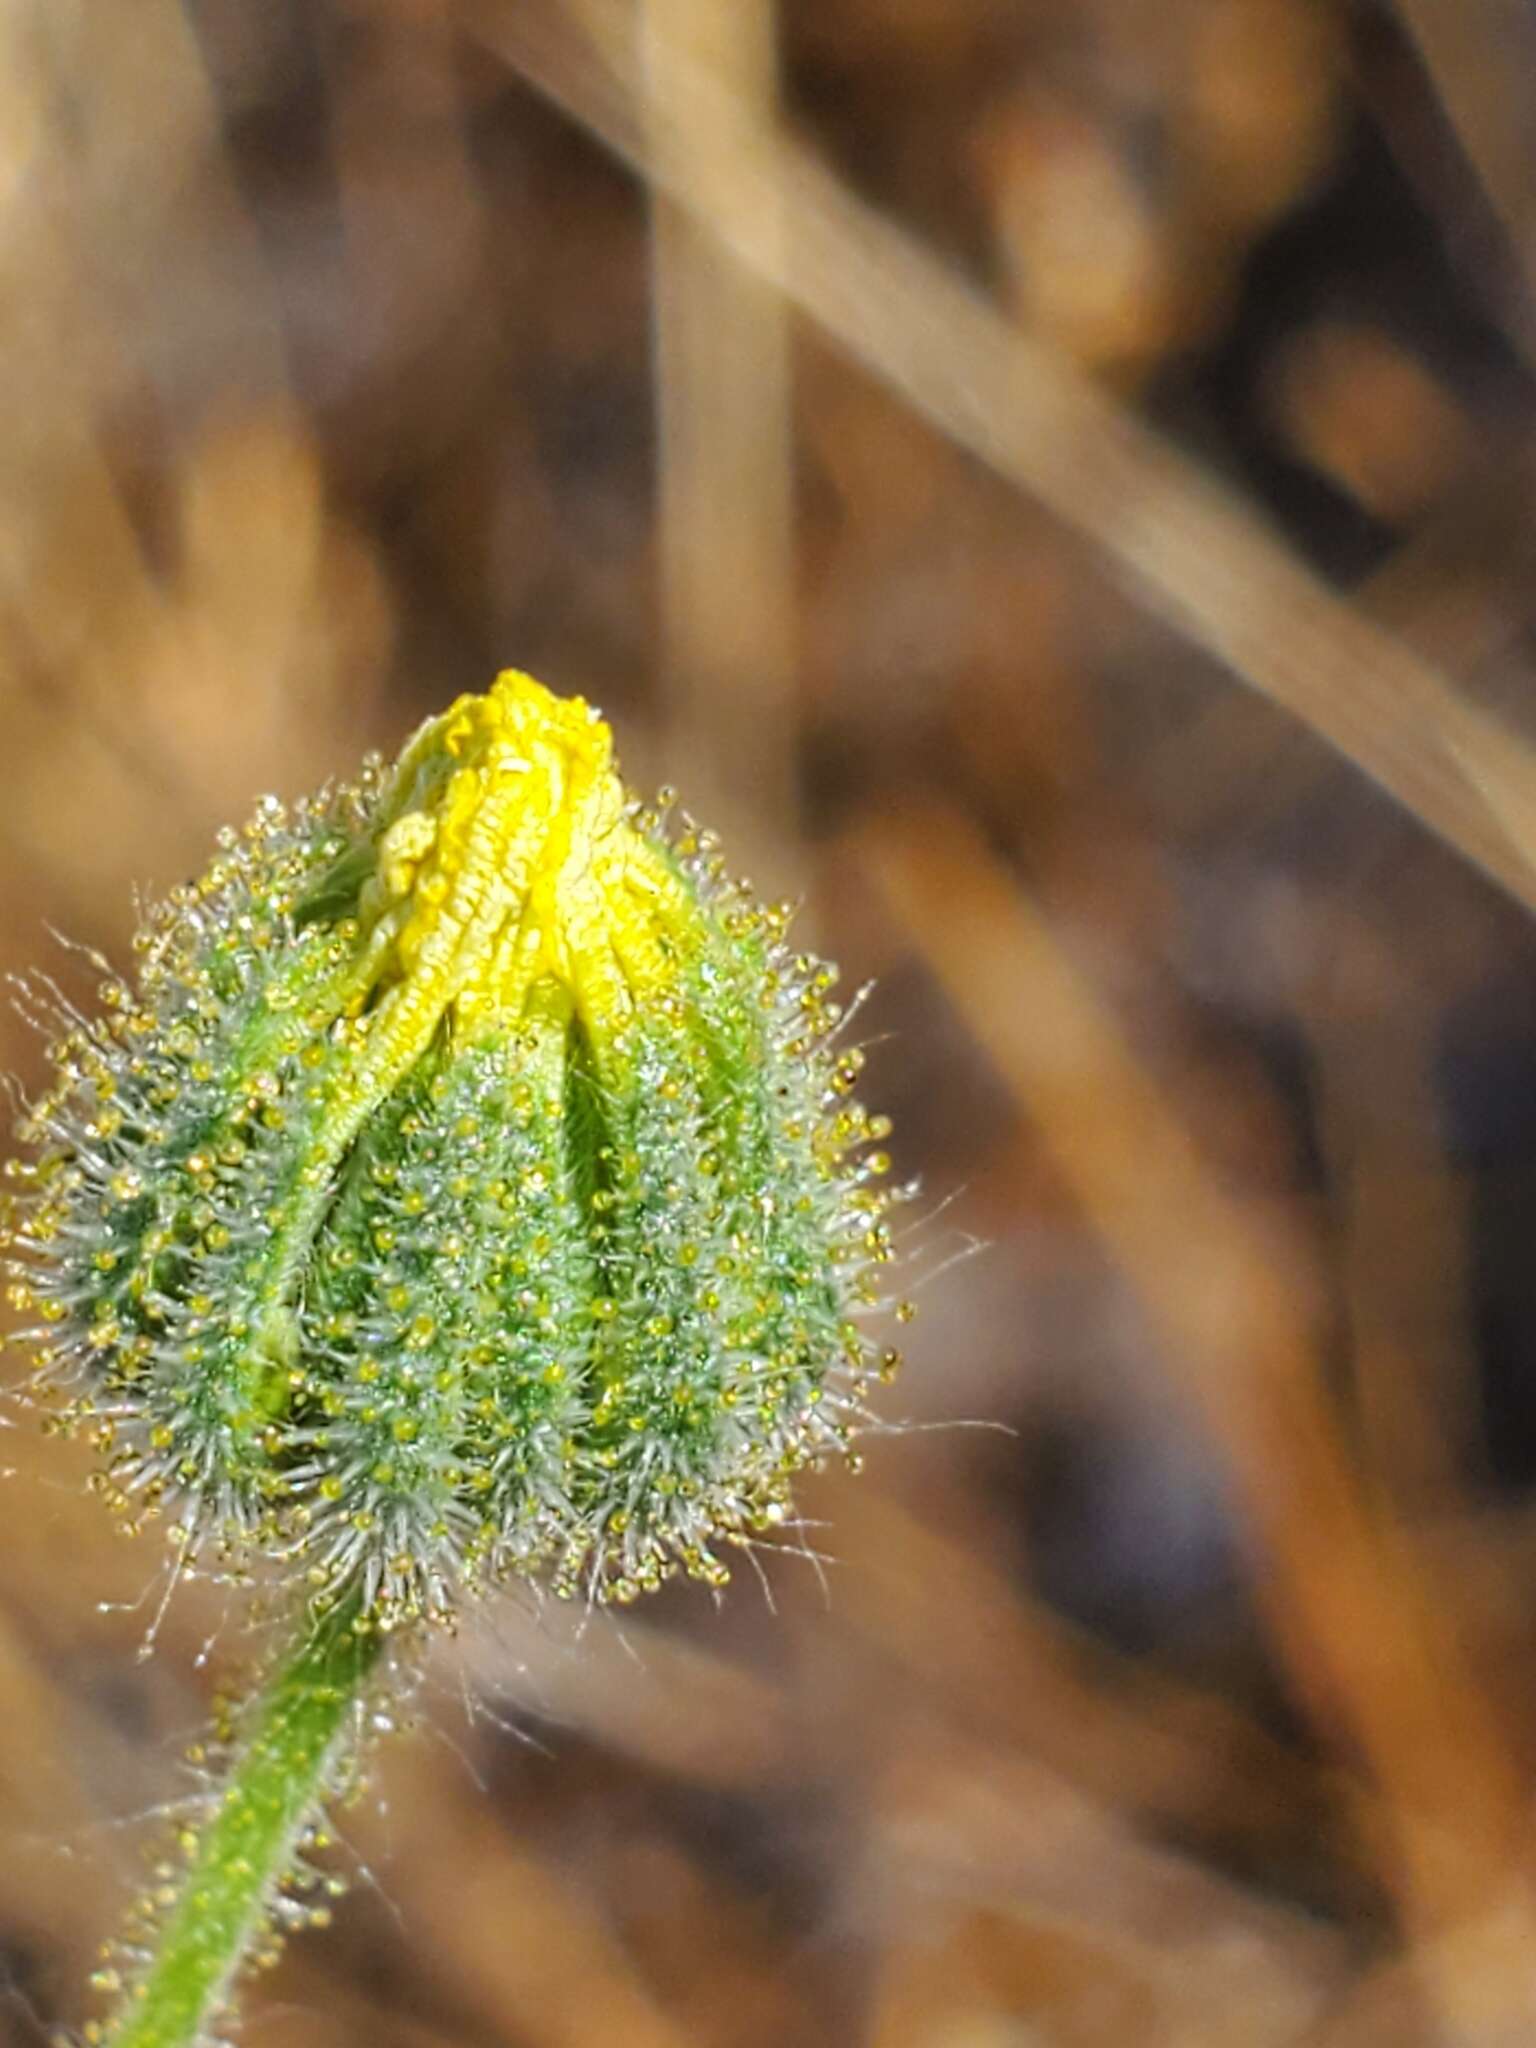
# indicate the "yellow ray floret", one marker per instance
pixel 509 861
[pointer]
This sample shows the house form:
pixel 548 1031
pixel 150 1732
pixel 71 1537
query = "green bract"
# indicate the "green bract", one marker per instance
pixel 468 1185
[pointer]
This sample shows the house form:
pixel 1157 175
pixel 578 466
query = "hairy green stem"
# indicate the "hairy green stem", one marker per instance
pixel 246 1847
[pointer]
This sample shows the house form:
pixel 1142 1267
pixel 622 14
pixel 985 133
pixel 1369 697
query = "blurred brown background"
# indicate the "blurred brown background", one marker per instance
pixel 1050 479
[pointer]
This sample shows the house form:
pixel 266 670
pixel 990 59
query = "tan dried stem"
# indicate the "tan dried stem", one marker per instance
pixel 722 367
pixel 1202 560
pixel 1371 1639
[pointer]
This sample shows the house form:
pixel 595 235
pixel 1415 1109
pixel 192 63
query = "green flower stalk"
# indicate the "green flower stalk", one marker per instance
pixel 469 1187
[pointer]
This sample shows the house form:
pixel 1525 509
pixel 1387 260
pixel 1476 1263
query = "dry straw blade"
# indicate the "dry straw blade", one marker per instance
pixel 1200 558
pixel 725 509
pixel 1365 1626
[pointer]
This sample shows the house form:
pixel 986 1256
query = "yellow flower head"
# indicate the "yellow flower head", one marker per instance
pixel 468 1185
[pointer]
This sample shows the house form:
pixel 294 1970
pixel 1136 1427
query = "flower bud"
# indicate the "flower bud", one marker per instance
pixel 469 1185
